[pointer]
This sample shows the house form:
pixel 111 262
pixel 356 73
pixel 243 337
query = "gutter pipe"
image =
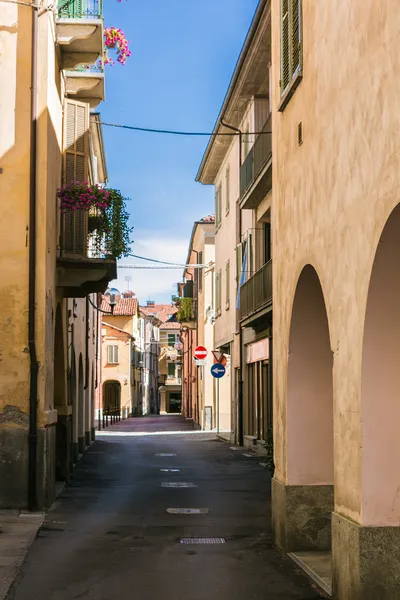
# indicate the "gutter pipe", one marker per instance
pixel 34 365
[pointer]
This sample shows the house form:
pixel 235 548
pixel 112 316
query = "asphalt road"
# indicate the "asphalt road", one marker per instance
pixel 109 536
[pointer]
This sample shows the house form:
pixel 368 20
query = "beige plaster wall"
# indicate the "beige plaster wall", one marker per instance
pixel 331 198
pixel 122 371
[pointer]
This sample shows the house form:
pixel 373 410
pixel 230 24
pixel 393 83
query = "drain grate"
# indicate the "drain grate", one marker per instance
pixel 178 484
pixel 170 470
pixel 202 541
pixel 165 454
pixel 188 511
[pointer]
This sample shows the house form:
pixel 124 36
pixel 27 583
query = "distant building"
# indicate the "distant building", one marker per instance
pixel 202 403
pixel 119 379
pixel 170 368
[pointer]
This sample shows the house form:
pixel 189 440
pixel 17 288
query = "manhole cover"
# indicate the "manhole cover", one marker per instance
pixel 187 511
pixel 178 484
pixel 202 541
pixel 165 454
pixel 170 470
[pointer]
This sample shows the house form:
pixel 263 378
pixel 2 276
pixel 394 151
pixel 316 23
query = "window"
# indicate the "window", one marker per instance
pixel 200 271
pixel 171 339
pixel 227 284
pixel 218 206
pixel 291 51
pixel 171 370
pixel 218 292
pixel 112 355
pixel 227 189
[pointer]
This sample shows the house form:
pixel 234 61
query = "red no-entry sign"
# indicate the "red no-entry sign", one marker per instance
pixel 200 352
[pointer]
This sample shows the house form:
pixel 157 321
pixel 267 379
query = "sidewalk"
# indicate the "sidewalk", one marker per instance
pixel 18 531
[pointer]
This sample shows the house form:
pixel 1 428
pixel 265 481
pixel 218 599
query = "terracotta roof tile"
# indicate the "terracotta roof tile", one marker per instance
pixel 126 307
pixel 163 312
pixel 208 219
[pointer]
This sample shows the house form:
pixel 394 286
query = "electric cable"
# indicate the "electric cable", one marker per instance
pixel 183 133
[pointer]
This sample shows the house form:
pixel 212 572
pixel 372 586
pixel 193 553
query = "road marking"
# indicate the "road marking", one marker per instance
pixel 248 455
pixel 165 454
pixel 188 511
pixel 170 470
pixel 233 448
pixel 178 484
pixel 263 464
pixel 202 541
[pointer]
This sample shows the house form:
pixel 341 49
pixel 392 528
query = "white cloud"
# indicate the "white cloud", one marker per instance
pixel 153 284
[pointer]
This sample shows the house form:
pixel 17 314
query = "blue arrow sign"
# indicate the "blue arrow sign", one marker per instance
pixel 218 371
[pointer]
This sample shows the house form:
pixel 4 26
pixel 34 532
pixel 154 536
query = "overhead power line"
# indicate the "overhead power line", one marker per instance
pixel 161 267
pixel 162 262
pixel 184 133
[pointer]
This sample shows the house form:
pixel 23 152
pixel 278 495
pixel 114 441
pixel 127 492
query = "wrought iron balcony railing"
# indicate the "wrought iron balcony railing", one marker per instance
pixel 80 9
pixel 256 292
pixel 257 158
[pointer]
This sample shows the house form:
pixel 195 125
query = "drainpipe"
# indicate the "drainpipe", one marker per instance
pixel 34 365
pixel 241 367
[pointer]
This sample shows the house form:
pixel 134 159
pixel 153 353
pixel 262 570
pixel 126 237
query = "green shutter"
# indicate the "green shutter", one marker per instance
pixel 285 52
pixel 295 36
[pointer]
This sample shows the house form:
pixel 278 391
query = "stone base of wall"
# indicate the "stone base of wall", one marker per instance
pixel 63 448
pixel 14 467
pixel 365 561
pixel 301 516
pixel 81 444
pixel 93 434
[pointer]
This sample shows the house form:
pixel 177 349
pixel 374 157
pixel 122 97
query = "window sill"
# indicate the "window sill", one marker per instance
pixel 290 90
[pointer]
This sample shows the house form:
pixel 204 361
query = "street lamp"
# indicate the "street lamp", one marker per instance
pixel 113 296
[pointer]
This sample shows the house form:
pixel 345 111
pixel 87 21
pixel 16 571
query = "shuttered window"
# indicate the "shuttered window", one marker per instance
pixel 112 355
pixel 218 293
pixel 218 193
pixel 76 160
pixel 171 369
pixel 200 271
pixel 227 189
pixel 291 51
pixel 227 284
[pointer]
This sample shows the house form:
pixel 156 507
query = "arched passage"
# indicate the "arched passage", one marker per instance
pixel 303 503
pixel 73 400
pixel 63 426
pixel 380 384
pixel 111 398
pixel 81 407
pixel 310 387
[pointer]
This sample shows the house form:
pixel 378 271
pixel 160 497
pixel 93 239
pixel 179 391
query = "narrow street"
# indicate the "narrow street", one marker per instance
pixel 110 536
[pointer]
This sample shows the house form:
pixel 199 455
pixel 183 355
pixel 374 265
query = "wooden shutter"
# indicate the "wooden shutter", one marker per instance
pixel 227 189
pixel 200 271
pixel 116 355
pixel 295 38
pixel 227 284
pixel 110 354
pixel 285 46
pixel 239 262
pixel 76 160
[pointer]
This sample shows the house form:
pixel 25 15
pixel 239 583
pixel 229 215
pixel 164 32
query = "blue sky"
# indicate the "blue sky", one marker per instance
pixel 183 56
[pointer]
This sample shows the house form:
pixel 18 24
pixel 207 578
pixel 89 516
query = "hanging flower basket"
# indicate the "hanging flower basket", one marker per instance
pixel 108 228
pixel 82 196
pixel 114 39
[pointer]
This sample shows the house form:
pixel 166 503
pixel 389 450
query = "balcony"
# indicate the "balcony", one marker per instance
pixel 187 316
pixel 256 170
pixel 256 295
pixel 79 31
pixel 86 84
pixel 82 267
